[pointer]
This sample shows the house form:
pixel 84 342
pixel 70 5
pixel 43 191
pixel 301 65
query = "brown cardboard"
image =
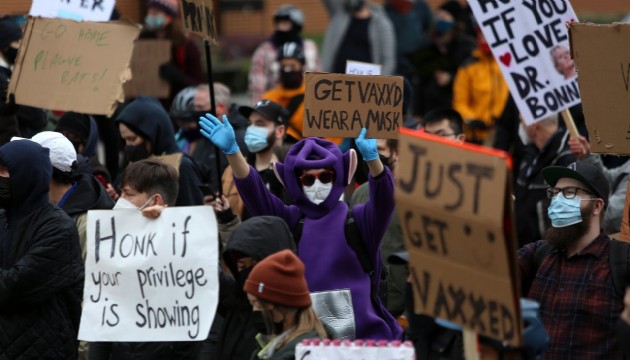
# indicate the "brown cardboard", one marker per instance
pixel 146 59
pixel 173 160
pixel 455 212
pixel 198 18
pixel 73 66
pixel 602 58
pixel 339 105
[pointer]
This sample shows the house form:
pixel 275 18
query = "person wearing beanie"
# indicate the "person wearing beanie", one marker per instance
pixel 265 70
pixel 15 120
pixel 250 243
pixel 184 69
pixel 277 290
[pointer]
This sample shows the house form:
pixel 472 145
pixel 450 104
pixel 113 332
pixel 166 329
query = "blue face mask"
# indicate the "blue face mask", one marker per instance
pixel 154 22
pixel 256 138
pixel 443 26
pixel 564 212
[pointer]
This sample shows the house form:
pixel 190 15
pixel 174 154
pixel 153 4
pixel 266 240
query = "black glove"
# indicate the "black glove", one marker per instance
pixel 171 73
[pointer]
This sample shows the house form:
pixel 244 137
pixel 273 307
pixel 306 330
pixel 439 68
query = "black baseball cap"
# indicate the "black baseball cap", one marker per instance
pixel 269 109
pixel 590 175
pixel 399 258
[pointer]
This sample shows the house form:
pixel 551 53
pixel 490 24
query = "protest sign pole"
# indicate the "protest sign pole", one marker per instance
pixel 570 124
pixel 471 346
pixel 213 111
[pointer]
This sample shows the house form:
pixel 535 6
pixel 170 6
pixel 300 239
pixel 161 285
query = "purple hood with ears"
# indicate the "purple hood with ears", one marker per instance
pixel 315 153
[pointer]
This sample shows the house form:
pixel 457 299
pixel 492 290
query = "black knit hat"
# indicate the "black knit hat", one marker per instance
pixel 74 123
pixel 10 31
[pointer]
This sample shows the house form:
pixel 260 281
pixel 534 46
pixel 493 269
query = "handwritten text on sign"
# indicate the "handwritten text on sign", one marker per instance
pixel 198 18
pixel 451 206
pixel 530 41
pixel 80 10
pixel 73 66
pixel 338 105
pixel 150 280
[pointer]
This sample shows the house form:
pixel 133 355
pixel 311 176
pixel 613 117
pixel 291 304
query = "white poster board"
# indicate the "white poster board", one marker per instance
pixel 79 10
pixel 150 280
pixel 345 350
pixel 528 39
pixel 362 68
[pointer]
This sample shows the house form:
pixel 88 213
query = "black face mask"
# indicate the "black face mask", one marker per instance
pixel 384 159
pixel 259 323
pixel 291 79
pixel 623 336
pixel 191 134
pixel 280 37
pixel 11 54
pixel 242 276
pixel 5 192
pixel 136 152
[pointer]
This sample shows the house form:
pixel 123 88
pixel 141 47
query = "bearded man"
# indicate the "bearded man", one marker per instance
pixel 569 273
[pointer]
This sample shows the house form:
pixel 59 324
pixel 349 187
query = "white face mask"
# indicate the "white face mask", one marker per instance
pixel 522 133
pixel 317 192
pixel 123 203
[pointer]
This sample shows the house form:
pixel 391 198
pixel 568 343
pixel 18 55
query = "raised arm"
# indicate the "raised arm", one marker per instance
pixel 221 134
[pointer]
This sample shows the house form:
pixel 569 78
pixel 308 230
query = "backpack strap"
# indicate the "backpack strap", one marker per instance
pixel 618 260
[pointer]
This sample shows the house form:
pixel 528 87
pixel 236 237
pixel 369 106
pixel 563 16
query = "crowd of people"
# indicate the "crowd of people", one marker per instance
pixel 300 214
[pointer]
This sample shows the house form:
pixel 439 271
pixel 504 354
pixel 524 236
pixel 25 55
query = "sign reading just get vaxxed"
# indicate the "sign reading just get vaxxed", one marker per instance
pixel 150 279
pixel 530 41
pixel 455 211
pixel 340 105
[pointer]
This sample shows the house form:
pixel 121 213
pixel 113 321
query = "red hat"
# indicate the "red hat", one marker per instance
pixel 279 279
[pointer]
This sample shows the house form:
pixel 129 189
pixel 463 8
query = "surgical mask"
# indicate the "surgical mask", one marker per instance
pixel 522 134
pixel 623 336
pixel 259 323
pixel 564 212
pixel 256 138
pixel 5 192
pixel 443 26
pixel 318 192
pixel 123 203
pixel 291 79
pixel 154 22
pixel 11 54
pixel 136 152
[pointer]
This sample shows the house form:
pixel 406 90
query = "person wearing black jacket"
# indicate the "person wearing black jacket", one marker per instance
pixel 41 271
pixel 147 131
pixel 252 241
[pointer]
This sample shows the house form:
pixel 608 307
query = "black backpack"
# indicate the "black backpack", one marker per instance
pixel 617 259
pixel 378 293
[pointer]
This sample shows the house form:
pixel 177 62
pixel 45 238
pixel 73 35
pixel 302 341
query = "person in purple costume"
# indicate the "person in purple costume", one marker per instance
pixel 315 173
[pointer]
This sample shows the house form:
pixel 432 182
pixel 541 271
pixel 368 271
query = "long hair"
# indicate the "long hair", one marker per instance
pixel 305 321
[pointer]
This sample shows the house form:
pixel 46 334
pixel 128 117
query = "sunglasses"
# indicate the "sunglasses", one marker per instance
pixel 325 177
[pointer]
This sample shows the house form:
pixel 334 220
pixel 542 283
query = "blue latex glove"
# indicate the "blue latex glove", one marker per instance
pixel 366 146
pixel 220 134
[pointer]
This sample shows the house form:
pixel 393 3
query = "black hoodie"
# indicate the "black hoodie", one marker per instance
pixel 41 271
pixel 257 238
pixel 146 117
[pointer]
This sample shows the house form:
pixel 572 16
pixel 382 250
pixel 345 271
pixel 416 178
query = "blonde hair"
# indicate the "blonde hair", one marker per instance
pixel 307 321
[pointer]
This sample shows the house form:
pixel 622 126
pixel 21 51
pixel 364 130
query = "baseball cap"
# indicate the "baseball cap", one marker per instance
pixel 590 175
pixel 269 109
pixel 399 258
pixel 62 152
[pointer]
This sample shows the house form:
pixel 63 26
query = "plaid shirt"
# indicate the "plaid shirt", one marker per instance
pixel 578 303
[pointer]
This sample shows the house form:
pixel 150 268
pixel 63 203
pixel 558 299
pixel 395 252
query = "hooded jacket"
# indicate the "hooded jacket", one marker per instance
pixel 41 273
pixel 146 117
pixel 330 263
pixel 257 238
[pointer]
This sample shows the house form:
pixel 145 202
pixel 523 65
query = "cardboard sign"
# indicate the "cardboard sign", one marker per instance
pixel 454 202
pixel 339 105
pixel 150 280
pixel 530 42
pixel 363 68
pixel 79 10
pixel 198 18
pixel 146 59
pixel 73 66
pixel 368 350
pixel 603 59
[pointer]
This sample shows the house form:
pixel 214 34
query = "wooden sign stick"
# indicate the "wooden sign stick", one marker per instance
pixel 471 347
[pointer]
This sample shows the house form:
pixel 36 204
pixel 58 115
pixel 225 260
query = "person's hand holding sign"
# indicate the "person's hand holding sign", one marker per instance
pixel 221 134
pixel 368 149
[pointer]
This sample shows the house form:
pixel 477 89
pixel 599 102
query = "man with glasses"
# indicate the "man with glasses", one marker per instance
pixel 444 122
pixel 570 273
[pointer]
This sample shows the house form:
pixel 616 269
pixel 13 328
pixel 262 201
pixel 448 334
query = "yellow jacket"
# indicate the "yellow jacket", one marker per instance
pixel 479 89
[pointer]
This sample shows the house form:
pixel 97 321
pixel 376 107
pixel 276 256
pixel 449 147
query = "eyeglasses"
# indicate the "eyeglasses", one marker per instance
pixel 325 177
pixel 568 192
